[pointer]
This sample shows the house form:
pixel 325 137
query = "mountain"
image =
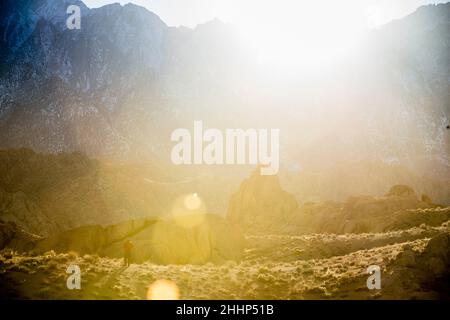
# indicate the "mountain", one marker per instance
pixel 121 84
pixel 77 89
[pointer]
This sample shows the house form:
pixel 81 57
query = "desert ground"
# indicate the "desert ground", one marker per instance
pixel 414 264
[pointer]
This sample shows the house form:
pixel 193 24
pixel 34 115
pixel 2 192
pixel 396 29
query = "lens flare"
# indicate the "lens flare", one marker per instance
pixel 163 290
pixel 189 210
pixel 192 201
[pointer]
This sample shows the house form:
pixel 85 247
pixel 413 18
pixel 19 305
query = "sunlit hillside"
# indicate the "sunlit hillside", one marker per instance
pixel 278 151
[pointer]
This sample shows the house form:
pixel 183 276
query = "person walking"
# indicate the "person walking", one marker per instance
pixel 127 249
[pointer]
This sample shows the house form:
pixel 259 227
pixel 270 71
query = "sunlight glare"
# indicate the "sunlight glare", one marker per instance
pixel 297 32
pixel 163 290
pixel 189 210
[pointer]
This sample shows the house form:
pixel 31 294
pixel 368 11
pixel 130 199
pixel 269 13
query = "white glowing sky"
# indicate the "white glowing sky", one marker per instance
pixel 287 31
pixel 192 12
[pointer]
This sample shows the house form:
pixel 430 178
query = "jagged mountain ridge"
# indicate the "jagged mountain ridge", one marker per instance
pixel 62 82
pixel 123 82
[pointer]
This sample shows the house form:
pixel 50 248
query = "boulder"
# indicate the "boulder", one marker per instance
pixel 167 241
pixel 401 191
pixel 261 203
pixel 12 237
pixel 83 240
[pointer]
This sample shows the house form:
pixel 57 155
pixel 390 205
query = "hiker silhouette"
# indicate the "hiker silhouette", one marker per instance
pixel 127 249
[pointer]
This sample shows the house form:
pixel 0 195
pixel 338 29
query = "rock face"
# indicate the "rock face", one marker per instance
pixel 399 209
pixel 11 236
pixel 262 206
pixel 260 203
pixel 98 88
pixel 16 207
pixel 401 191
pixel 168 242
pixel 84 240
pixel 49 194
pixel 161 241
pixel 436 257
pixel 7 232
pixel 117 83
pixel 94 238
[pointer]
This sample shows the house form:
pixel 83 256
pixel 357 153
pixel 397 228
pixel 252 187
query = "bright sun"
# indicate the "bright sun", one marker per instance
pixel 299 33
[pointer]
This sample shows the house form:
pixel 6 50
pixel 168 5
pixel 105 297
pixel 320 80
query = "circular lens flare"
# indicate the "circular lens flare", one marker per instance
pixel 163 290
pixel 192 201
pixel 189 210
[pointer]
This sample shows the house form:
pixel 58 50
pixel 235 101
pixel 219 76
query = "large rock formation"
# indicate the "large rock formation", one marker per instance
pixel 11 236
pixel 262 206
pixel 169 242
pixel 16 207
pixel 211 239
pixel 401 191
pixel 399 209
pixel 47 194
pixel 261 203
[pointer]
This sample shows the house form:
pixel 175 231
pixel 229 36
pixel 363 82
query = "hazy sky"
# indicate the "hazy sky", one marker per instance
pixel 193 12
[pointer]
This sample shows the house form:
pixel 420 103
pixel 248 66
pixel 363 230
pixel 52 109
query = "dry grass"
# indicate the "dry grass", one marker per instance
pixel 319 266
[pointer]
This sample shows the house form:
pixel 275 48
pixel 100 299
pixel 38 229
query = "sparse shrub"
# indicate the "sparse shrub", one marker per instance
pixel 20 268
pixel 316 290
pixel 230 264
pixel 73 254
pixel 52 264
pixel 50 254
pixel 307 271
pixel 224 269
pixel 263 270
pixel 8 254
pixel 90 258
pixel 265 278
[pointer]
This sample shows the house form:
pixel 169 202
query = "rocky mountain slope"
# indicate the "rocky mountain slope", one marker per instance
pixel 122 83
pixel 97 89
pixel 48 194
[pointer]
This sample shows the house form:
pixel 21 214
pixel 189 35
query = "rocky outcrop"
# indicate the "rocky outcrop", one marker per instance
pixel 261 203
pixel 261 206
pixel 11 236
pixel 7 232
pixel 401 191
pixel 212 239
pixel 85 90
pixel 16 207
pixel 399 209
pixel 92 239
pixel 47 194
pixel 169 242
